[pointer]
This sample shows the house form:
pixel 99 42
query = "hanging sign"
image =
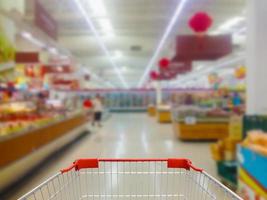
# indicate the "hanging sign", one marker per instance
pixel 27 57
pixel 190 47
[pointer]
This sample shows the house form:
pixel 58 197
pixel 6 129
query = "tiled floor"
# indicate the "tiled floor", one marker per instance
pixel 128 136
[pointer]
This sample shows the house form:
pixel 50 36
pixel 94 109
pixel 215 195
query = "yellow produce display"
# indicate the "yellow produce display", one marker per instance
pixel 235 128
pixel 256 141
pixel 224 150
pixel 164 114
pixel 195 123
pixel 151 110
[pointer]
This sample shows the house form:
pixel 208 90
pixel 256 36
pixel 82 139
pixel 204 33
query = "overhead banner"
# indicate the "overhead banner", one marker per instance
pixel 190 47
pixel 45 21
pixel 27 57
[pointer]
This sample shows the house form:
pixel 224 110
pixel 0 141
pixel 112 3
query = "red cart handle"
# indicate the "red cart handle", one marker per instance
pixel 94 163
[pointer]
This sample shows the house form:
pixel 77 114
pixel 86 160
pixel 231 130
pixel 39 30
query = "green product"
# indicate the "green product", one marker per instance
pixel 228 171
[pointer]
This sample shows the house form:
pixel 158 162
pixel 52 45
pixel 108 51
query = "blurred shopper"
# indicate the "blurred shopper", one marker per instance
pixel 88 107
pixel 98 110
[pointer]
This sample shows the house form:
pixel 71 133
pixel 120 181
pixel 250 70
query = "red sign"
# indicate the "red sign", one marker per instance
pixel 56 69
pixel 45 21
pixel 174 69
pixel 27 57
pixel 190 47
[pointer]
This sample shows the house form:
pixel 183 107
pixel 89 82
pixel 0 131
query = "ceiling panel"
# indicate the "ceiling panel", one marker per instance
pixel 135 23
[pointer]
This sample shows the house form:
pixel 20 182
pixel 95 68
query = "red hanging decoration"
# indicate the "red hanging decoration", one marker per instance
pixel 154 75
pixel 164 63
pixel 200 22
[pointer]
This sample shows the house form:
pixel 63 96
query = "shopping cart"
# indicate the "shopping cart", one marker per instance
pixel 95 179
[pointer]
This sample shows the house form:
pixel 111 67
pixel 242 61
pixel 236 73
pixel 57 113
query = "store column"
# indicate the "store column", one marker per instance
pixel 256 57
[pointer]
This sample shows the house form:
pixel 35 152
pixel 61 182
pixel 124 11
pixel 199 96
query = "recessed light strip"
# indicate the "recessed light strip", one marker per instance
pixel 177 13
pixel 101 44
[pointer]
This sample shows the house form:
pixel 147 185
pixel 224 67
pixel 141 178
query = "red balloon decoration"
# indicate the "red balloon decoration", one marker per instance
pixel 154 75
pixel 164 63
pixel 200 22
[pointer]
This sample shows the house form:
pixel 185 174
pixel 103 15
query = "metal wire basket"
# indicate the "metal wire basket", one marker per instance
pixel 131 179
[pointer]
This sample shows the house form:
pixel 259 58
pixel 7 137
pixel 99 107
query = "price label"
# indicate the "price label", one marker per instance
pixel 190 120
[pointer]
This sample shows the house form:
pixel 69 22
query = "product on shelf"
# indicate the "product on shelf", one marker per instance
pixel 252 159
pixel 256 141
pixel 227 171
pixel 224 150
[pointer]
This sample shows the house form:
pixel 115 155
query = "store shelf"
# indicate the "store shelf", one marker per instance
pixel 24 151
pixel 18 145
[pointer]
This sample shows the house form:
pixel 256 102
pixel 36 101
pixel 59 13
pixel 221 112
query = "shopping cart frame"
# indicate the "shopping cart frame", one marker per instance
pixel 93 163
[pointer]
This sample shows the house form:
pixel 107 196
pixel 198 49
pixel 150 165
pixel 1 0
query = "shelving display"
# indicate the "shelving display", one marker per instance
pixel 194 123
pixel 252 160
pixel 241 157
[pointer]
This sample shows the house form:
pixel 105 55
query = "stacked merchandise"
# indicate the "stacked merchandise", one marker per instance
pixel 224 153
pixel 242 163
pixel 252 166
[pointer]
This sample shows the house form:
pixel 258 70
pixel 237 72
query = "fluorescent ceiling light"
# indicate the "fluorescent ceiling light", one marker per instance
pixel 97 7
pixel 199 67
pixel 230 24
pixel 53 50
pixel 124 69
pixel 28 36
pixel 118 54
pixel 98 10
pixel 151 63
pixel 242 31
pixel 109 35
pixel 226 72
pixel 105 25
pixel 99 40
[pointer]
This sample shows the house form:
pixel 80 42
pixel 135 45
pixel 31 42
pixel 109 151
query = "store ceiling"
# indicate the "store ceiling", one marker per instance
pixel 130 30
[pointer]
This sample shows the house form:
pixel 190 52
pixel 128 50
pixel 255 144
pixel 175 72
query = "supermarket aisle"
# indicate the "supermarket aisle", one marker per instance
pixel 127 135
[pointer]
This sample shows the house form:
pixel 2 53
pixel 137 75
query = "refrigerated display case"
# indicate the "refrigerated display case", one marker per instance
pixel 194 123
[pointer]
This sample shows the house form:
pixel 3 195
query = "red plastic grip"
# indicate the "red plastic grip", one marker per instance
pixel 84 163
pixel 94 163
pixel 182 163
